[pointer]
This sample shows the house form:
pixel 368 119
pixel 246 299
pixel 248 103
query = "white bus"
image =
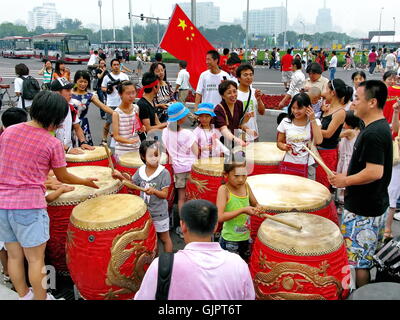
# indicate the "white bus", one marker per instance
pixel 16 47
pixel 67 47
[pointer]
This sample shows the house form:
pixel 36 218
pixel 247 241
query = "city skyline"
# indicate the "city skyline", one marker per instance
pixel 343 12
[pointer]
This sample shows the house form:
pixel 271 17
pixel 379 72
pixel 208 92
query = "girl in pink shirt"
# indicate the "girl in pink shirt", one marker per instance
pixel 27 153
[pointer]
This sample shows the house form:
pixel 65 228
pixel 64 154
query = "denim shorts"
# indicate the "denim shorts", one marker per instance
pixel 241 248
pixel 30 228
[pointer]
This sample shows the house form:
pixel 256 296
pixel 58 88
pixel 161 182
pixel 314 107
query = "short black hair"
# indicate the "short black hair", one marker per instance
pixel 145 145
pixel 95 52
pixel 244 67
pixel 224 86
pixel 147 79
pixel 334 52
pixel 158 57
pixel 314 68
pixel 289 51
pixel 343 91
pixel 226 51
pixel 121 87
pixel 233 59
pixel 82 74
pixel 303 101
pixel 49 109
pixel 375 89
pixel 21 70
pixel 200 217
pixel 359 73
pixel 214 55
pixel 389 74
pixel 13 116
pixel 183 64
pixel 297 63
pixel 352 120
pixel 113 60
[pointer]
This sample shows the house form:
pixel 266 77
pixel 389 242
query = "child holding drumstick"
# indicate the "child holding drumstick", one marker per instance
pixel 236 203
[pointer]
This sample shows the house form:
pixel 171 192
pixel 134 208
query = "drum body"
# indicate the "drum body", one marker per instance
pixel 205 179
pixel 311 264
pixel 111 243
pixel 60 210
pixel 278 193
pixel 263 158
pixel 97 157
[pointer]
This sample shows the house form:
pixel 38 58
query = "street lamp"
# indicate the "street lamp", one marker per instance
pixel 394 27
pixel 101 22
pixel 247 30
pixel 380 28
pixel 193 12
pixel 286 18
pixel 113 16
pixel 131 26
pixel 304 32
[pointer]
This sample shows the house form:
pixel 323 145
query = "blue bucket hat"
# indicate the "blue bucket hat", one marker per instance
pixel 177 111
pixel 205 108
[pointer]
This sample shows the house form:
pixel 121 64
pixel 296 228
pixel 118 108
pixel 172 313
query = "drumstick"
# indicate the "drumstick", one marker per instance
pixel 320 162
pixel 110 163
pixel 292 225
pixel 132 186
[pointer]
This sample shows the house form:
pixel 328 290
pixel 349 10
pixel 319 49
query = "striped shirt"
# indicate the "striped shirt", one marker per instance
pixel 47 76
pixel 128 125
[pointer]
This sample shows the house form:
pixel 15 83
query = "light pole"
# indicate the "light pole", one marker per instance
pixel 247 30
pixel 194 12
pixel 131 26
pixel 394 27
pixel 113 16
pixel 380 28
pixel 101 22
pixel 286 18
pixel 304 32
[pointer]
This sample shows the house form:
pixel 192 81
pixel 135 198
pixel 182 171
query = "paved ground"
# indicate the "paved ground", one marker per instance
pixel 266 80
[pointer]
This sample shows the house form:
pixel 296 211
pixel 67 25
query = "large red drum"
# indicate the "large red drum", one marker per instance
pixel 205 179
pixel 277 193
pixel 311 264
pixel 97 157
pixel 61 209
pixel 111 243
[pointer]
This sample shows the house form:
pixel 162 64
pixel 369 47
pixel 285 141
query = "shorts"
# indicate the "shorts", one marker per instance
pixel 287 76
pixel 181 180
pixel 30 228
pixel 109 116
pixel 161 226
pixel 394 187
pixel 363 237
pixel 242 248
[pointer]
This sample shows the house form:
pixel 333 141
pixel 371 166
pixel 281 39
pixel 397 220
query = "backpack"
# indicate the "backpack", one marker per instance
pixel 30 88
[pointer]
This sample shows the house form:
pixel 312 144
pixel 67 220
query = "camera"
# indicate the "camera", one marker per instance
pixel 111 85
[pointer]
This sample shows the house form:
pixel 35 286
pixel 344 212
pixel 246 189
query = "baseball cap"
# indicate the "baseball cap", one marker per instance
pixel 60 84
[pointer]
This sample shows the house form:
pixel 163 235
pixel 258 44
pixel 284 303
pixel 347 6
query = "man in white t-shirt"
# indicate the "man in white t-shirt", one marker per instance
pixel 182 82
pixel 113 98
pixel 390 61
pixel 207 88
pixel 22 72
pixel 333 66
pixel 245 75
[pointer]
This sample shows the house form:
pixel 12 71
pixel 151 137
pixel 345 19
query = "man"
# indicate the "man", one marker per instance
pixel 207 88
pixel 273 59
pixel 286 68
pixel 333 66
pixel 93 62
pixel 372 59
pixel 390 61
pixel 158 57
pixel 102 55
pixel 367 181
pixel 63 87
pixel 182 82
pixel 202 271
pixel 315 79
pixel 147 110
pixel 296 84
pixel 109 86
pixel 352 58
pixel 233 64
pixel 252 102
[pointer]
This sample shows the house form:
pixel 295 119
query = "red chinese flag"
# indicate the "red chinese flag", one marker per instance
pixel 185 42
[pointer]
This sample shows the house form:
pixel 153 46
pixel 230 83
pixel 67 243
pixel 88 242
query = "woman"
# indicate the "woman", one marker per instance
pixel 230 117
pixel 80 93
pixel 337 94
pixel 101 72
pixel 165 96
pixel 47 73
pixel 347 57
pixel 60 71
pixel 299 129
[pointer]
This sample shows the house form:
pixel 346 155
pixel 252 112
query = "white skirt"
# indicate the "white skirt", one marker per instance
pixel 394 187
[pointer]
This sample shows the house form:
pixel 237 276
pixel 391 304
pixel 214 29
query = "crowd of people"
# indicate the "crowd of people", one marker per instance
pixel 351 129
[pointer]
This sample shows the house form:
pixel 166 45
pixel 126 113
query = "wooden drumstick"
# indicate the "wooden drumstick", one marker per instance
pixel 110 163
pixel 320 162
pixel 289 224
pixel 132 186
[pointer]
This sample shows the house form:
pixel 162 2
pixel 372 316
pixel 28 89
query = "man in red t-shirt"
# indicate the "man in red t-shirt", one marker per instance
pixel 286 68
pixel 393 97
pixel 223 59
pixel 372 58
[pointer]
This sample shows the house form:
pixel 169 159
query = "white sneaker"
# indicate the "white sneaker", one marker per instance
pixel 51 297
pixel 28 296
pixel 397 216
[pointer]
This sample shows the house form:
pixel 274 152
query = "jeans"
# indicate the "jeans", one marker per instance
pixel 332 72
pixel 372 66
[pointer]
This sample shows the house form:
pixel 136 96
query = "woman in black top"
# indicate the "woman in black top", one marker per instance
pixel 337 95
pixel 101 72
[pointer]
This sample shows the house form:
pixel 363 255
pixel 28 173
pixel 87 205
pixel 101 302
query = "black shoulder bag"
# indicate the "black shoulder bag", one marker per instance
pixel 165 265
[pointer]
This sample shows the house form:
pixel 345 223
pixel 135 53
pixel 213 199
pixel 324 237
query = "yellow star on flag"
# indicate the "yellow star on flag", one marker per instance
pixel 182 24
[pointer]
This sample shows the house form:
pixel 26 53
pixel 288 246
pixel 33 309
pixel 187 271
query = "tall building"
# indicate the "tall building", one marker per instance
pixel 45 17
pixel 324 20
pixel 207 15
pixel 268 21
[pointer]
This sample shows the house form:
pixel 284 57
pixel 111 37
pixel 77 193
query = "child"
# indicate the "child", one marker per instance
pixel 348 138
pixel 182 149
pixel 236 203
pixel 317 101
pixel 126 123
pixel 155 179
pixel 208 138
pixel 24 222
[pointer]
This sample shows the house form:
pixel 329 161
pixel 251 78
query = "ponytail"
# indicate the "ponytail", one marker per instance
pixel 343 92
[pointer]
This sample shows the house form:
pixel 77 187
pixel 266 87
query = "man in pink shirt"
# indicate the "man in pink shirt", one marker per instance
pixel 202 271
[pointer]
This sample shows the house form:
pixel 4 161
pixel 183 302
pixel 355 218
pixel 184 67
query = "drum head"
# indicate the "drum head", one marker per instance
pixel 318 237
pixel 108 212
pixel 264 153
pixel 213 167
pixel 286 193
pixel 107 185
pixel 133 160
pixel 377 291
pixel 89 155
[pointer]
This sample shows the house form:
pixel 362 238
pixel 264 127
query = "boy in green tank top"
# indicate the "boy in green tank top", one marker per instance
pixel 236 203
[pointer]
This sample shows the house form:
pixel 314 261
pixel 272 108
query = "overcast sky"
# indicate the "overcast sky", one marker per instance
pixel 362 15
